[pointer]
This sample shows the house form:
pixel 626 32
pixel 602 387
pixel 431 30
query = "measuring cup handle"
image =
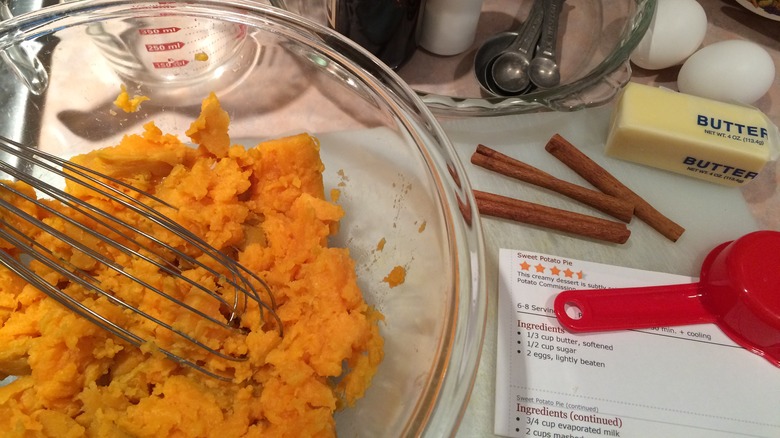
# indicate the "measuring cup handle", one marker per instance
pixel 631 308
pixel 23 63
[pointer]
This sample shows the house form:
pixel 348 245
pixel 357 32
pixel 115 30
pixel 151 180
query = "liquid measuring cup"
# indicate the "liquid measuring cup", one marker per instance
pixel 738 290
pixel 175 57
pixel 167 52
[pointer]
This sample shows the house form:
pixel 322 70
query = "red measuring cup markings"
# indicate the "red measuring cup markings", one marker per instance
pixel 738 290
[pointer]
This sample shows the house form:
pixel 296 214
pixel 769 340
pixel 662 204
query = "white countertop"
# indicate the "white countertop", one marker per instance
pixel 710 213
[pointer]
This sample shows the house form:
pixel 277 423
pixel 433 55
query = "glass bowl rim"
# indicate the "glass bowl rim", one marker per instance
pixel 446 395
pixel 614 71
pixel 549 99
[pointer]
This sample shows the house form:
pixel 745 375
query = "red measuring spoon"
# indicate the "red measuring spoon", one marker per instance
pixel 738 290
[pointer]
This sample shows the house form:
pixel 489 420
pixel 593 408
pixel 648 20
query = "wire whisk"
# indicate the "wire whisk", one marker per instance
pixel 109 244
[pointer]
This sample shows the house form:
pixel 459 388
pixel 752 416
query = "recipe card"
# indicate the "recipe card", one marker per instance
pixel 684 381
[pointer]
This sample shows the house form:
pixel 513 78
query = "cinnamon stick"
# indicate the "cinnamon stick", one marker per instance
pixel 607 183
pixel 496 161
pixel 491 204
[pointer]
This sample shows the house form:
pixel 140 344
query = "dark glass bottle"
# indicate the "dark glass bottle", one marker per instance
pixel 386 28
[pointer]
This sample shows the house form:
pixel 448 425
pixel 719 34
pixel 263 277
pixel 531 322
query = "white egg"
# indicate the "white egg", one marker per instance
pixel 676 31
pixel 729 71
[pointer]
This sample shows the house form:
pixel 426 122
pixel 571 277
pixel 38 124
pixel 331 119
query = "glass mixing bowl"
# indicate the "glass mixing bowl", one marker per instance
pixel 276 74
pixel 595 40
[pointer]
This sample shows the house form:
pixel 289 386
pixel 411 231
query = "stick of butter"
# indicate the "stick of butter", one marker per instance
pixel 724 143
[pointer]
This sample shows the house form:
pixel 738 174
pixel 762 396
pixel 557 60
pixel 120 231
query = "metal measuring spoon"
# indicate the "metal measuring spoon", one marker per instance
pixel 510 69
pixel 486 54
pixel 543 70
pixel 495 46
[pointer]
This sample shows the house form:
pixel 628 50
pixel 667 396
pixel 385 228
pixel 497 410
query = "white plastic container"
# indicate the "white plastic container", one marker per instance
pixel 449 26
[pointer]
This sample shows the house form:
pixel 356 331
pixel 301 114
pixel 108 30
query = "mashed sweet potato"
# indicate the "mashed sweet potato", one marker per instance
pixel 266 207
pixel 129 104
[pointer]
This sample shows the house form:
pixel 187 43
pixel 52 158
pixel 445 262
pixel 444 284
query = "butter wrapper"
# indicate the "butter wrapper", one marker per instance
pixel 723 143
